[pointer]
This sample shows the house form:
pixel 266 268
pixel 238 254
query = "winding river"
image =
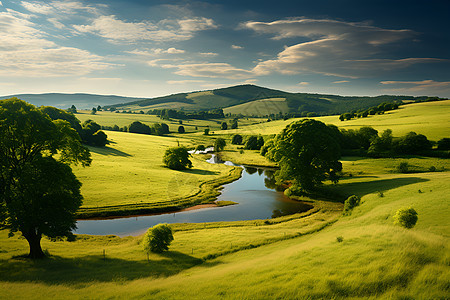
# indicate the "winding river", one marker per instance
pixel 254 192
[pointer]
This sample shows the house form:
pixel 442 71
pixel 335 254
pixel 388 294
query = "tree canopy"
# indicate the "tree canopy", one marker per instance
pixel 307 152
pixel 39 194
pixel 177 158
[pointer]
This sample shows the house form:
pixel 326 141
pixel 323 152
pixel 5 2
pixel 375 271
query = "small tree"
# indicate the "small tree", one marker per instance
pixel 181 129
pixel 219 144
pixel 351 202
pixel 206 132
pixel 224 126
pixel 93 111
pixel 158 238
pixel 236 139
pixel 443 144
pixel 177 158
pixel 200 148
pixel 406 217
pixel 252 143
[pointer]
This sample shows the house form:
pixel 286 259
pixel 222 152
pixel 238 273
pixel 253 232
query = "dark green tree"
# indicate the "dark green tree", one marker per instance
pixel 158 238
pixel 138 127
pixel 224 126
pixel 252 143
pixel 165 128
pixel 39 194
pixel 177 158
pixel 236 139
pixel 406 217
pixel 443 144
pixel 181 129
pixel 307 152
pixel 72 109
pixel 93 111
pixel 59 114
pixel 219 144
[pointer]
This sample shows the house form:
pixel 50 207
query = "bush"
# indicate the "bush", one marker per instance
pixel 403 167
pixel 219 144
pixel 158 238
pixel 236 139
pixel 340 239
pixel 177 158
pixel 200 148
pixel 351 202
pixel 252 143
pixel 406 217
pixel 444 144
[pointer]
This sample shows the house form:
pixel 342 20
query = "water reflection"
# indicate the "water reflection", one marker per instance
pixel 254 191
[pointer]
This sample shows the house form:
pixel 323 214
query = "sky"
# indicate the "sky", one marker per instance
pixel 144 48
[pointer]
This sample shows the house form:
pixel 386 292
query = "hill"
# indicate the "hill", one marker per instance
pixel 260 101
pixel 81 101
pixel 226 98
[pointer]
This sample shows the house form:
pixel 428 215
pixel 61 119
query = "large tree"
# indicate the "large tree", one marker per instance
pixel 307 152
pixel 39 194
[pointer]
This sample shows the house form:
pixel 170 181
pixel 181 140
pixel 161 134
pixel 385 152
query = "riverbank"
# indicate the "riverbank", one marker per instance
pixel 208 192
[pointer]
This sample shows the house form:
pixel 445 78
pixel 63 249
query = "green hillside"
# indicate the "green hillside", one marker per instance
pixel 229 99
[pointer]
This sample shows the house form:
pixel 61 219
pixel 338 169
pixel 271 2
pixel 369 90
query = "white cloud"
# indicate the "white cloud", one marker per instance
pixel 58 7
pixel 428 86
pixel 303 83
pixel 210 54
pixel 184 81
pixel 1 4
pixel 334 48
pixel 26 51
pixel 116 30
pixel 340 81
pixel 157 51
pixel 236 47
pixel 211 70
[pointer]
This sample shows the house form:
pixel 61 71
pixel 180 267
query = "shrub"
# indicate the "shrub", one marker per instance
pixel 444 144
pixel 340 239
pixel 236 139
pixel 403 167
pixel 158 238
pixel 177 158
pixel 181 129
pixel 219 144
pixel 351 202
pixel 406 217
pixel 200 148
pixel 252 143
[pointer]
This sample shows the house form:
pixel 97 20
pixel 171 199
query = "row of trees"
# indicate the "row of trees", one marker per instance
pixel 154 129
pixel 375 110
pixel 167 114
pixel 251 143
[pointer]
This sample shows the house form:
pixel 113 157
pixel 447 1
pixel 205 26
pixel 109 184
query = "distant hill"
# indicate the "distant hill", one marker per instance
pixel 252 100
pixel 249 100
pixel 81 101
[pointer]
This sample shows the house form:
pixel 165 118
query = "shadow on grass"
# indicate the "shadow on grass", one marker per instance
pixel 108 151
pixel 363 188
pixel 200 172
pixel 59 270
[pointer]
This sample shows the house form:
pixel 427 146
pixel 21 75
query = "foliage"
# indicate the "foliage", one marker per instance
pixel 39 194
pixel 252 143
pixel 224 126
pixel 72 109
pixel 403 167
pixel 406 217
pixel 177 158
pixel 206 131
pixel 59 114
pixel 411 143
pixel 181 129
pixel 92 135
pixel 200 148
pixel 158 238
pixel 307 152
pixel 236 139
pixel 443 144
pixel 351 202
pixel 219 144
pixel 139 127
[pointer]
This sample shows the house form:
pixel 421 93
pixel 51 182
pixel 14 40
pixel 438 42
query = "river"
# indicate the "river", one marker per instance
pixel 254 192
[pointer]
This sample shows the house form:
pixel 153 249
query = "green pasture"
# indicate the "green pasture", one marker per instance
pixel 130 171
pixel 107 118
pixel 293 257
pixel 429 118
pixel 262 107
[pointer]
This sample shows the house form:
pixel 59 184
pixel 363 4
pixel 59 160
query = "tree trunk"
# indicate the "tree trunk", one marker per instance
pixel 34 240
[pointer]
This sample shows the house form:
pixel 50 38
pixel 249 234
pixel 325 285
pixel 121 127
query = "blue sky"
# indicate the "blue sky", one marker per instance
pixel 153 48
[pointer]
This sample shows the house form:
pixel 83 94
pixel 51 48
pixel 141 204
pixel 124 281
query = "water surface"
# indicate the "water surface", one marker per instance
pixel 254 191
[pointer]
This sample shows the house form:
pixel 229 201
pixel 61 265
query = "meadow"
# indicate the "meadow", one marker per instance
pixel 319 254
pixel 428 118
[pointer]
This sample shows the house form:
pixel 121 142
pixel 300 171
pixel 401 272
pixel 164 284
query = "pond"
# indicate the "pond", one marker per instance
pixel 254 192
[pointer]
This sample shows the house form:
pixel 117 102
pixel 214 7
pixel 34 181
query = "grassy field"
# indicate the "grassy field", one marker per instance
pixel 106 118
pixel 290 257
pixel 262 107
pixel 129 171
pixel 430 119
